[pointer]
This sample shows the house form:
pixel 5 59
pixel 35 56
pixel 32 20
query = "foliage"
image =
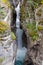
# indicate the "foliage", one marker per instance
pixel 37 1
pixel 40 27
pixel 3 27
pixel 42 1
pixel 39 12
pixel 41 21
pixel 32 30
pixel 13 36
pixel 2 13
pixel 33 3
pixel 7 2
pixel 22 13
pixel 1 60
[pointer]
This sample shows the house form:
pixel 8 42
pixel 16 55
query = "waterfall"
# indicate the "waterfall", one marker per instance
pixel 18 30
pixel 21 51
pixel 18 16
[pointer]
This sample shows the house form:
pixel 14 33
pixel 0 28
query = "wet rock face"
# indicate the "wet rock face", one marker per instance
pixel 14 2
pixel 28 62
pixel 24 38
pixel 13 22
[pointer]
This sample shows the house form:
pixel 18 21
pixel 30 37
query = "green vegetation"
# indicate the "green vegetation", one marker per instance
pixel 32 30
pixel 39 12
pixel 41 21
pixel 2 12
pixel 3 27
pixel 22 12
pixel 13 36
pixel 1 60
pixel 31 6
pixel 40 27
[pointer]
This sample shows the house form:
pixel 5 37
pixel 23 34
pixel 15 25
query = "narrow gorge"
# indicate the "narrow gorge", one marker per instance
pixel 21 32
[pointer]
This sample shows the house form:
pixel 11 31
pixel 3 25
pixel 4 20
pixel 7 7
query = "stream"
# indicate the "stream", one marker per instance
pixel 18 30
pixel 21 51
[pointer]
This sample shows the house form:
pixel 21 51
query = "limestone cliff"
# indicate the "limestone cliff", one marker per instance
pixel 32 24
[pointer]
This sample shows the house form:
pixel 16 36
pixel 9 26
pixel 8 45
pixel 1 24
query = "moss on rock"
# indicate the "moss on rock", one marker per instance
pixel 3 27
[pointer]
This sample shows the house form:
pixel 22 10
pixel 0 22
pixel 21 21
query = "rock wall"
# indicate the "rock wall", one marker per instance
pixel 33 13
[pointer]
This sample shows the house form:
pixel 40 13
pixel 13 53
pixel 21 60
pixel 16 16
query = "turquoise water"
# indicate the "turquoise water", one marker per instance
pixel 18 62
pixel 21 53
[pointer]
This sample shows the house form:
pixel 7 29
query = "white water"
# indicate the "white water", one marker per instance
pixel 18 30
pixel 18 16
pixel 21 51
